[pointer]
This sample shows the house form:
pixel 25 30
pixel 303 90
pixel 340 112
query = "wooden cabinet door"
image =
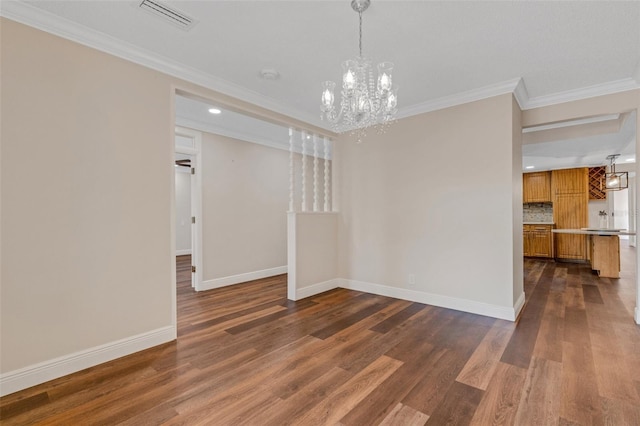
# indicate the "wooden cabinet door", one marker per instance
pixel 570 211
pixel 570 189
pixel 526 240
pixel 570 181
pixel 536 187
pixel 541 242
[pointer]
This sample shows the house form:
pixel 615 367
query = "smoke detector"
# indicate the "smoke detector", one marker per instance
pixel 269 74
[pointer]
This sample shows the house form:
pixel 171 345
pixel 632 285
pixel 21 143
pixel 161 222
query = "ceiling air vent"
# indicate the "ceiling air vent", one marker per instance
pixel 168 14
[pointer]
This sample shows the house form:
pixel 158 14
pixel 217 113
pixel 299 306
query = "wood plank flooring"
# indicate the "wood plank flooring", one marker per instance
pixel 247 356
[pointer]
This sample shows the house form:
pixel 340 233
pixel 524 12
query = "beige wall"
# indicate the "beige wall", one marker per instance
pixel 245 197
pixel 516 199
pixel 86 193
pixel 312 255
pixel 87 226
pixel 435 197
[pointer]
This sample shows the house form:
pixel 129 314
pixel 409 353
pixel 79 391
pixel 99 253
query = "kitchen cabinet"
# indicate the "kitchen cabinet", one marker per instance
pixel 536 187
pixel 605 255
pixel 537 240
pixel 570 190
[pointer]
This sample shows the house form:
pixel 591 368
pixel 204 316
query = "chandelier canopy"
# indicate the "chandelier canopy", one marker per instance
pixel 366 102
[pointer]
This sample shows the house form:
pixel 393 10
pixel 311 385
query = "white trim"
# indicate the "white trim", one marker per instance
pixel 241 278
pixel 521 94
pixel 54 24
pixel 318 288
pixel 517 307
pixel 583 93
pixel 183 252
pixel 196 199
pixel 637 315
pixel 465 305
pixel 23 378
pixel 461 98
pixel 292 262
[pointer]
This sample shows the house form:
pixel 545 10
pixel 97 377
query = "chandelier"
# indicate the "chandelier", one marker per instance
pixel 615 181
pixel 366 102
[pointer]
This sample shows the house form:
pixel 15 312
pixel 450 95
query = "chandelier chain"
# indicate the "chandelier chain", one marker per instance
pixel 360 35
pixel 364 102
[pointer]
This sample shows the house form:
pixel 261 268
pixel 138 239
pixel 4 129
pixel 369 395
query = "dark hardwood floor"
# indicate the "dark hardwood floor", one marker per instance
pixel 246 355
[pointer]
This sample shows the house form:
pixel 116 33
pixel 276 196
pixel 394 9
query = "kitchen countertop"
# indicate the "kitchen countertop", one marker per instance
pixel 591 231
pixel 538 223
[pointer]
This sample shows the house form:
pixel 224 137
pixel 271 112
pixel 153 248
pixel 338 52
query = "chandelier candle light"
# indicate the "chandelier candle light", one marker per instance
pixel 364 103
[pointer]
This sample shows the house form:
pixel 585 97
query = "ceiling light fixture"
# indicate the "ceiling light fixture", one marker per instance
pixel 364 103
pixel 214 111
pixel 529 167
pixel 615 181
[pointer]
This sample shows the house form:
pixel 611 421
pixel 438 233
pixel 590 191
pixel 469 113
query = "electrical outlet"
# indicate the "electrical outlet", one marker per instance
pixel 412 279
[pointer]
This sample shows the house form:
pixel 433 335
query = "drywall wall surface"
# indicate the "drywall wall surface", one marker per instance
pixel 245 197
pixel 87 153
pixel 430 205
pixel 313 240
pixel 516 199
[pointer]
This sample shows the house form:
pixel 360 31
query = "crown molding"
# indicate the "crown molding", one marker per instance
pixel 502 88
pixel 583 93
pixel 56 25
pixel 521 94
pixel 32 16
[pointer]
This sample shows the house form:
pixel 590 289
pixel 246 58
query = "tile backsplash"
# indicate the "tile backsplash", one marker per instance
pixel 537 212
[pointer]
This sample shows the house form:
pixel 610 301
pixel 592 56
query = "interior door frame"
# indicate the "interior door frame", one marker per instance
pixel 196 199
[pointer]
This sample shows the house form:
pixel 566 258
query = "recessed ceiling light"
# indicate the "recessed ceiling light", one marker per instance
pixel 530 167
pixel 214 111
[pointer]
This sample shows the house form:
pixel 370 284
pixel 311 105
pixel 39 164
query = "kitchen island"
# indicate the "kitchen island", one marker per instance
pixel 604 248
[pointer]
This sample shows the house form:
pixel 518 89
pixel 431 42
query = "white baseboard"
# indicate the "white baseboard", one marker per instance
pixel 518 306
pixel 318 288
pixel 23 378
pixel 448 302
pixel 183 252
pixel 241 278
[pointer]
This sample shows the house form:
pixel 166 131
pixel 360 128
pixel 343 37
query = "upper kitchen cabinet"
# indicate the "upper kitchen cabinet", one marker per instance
pixel 571 181
pixel 536 187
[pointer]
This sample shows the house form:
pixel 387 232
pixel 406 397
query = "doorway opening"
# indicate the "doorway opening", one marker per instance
pixel 585 142
pixel 187 202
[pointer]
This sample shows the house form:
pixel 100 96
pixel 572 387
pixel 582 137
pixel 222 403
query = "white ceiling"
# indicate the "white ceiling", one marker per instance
pixel 444 51
pixel 580 145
